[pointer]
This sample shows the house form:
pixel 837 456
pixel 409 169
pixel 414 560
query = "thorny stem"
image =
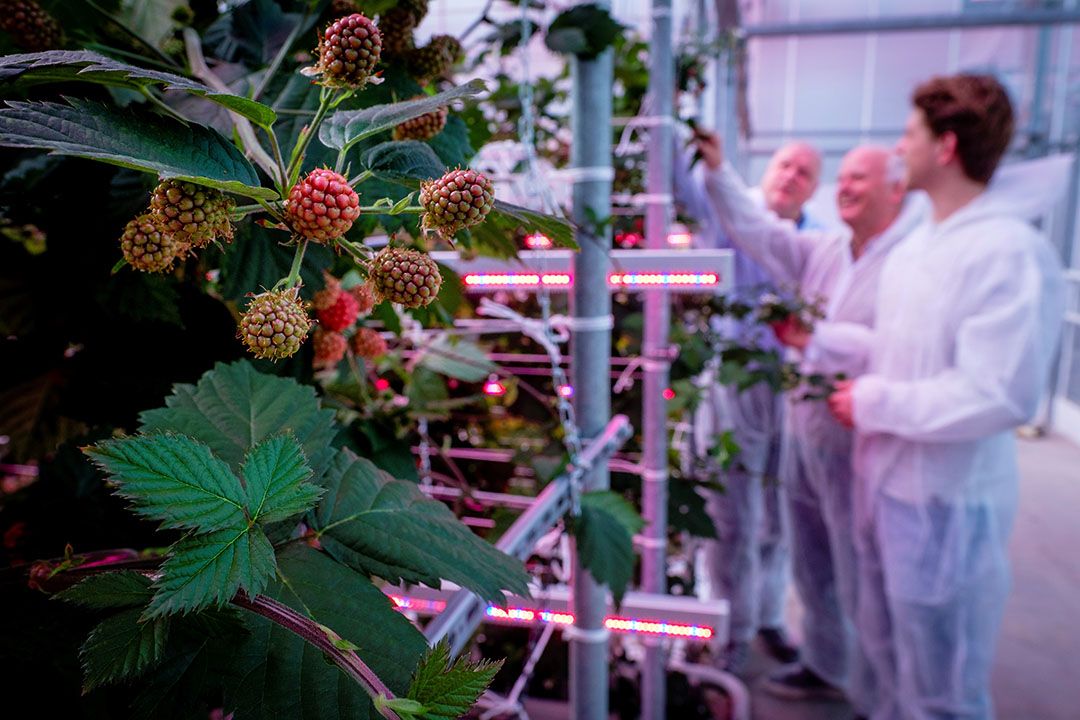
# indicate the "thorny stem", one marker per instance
pixel 347 660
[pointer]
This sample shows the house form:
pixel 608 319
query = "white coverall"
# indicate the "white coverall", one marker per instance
pixel 748 564
pixel 969 313
pixel 816 460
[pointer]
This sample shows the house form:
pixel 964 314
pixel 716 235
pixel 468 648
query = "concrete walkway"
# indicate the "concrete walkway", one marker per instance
pixel 1036 673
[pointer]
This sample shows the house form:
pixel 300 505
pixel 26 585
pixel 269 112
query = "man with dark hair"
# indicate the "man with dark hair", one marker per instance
pixel 968 315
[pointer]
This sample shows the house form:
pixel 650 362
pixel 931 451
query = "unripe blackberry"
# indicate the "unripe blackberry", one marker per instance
pixel 417 8
pixel 368 343
pixel 193 214
pixel 407 277
pixel 450 45
pixel 340 314
pixel 31 28
pixel 147 247
pixel 322 206
pixel 365 299
pixel 349 51
pixel 429 62
pixel 329 347
pixel 457 200
pixel 423 127
pixel 274 324
pixel 396 27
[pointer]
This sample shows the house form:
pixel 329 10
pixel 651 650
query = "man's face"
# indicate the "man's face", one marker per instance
pixel 864 195
pixel 790 179
pixel 919 149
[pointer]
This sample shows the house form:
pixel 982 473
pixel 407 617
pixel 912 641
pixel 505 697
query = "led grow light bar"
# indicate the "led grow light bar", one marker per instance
pixel 643 613
pixel 635 270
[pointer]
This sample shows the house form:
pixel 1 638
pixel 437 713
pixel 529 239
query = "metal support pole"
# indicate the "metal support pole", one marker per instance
pixel 591 351
pixel 655 352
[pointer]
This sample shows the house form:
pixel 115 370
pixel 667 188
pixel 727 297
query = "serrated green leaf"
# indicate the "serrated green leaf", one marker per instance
pixel 448 690
pixel 605 539
pixel 204 570
pixel 346 127
pixel 174 479
pixel 71 65
pixel 234 408
pixel 133 139
pixel 388 528
pixel 121 647
pixel 404 159
pixel 270 660
pixel 122 589
pixel 275 471
pixel 463 360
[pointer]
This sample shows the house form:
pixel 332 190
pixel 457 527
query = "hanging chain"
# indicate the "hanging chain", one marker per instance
pixel 537 187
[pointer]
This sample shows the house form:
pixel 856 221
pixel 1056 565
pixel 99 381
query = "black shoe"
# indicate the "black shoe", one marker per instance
pixel 777 645
pixel 801 683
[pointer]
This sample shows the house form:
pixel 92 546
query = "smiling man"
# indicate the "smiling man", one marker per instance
pixel 842 270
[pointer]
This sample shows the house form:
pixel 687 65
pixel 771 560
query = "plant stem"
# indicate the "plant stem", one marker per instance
pixel 304 627
pixel 478 22
pixel 283 174
pixel 297 158
pixel 160 104
pixel 298 260
pixel 365 175
pixel 385 209
pixel 272 210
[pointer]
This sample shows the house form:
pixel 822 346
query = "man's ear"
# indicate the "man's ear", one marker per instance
pixel 946 148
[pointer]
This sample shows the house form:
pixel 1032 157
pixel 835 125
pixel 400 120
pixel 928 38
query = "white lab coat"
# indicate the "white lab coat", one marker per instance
pixel 749 564
pixel 969 312
pixel 816 463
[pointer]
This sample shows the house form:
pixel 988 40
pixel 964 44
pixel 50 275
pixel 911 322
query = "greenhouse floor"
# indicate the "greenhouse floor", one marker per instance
pixel 1038 659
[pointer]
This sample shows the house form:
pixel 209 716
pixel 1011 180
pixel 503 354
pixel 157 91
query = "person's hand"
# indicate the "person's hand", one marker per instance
pixel 709 147
pixel 792 332
pixel 842 403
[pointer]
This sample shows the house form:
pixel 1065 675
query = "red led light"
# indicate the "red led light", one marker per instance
pixel 669 394
pixel 537 241
pixel 382 384
pixel 494 388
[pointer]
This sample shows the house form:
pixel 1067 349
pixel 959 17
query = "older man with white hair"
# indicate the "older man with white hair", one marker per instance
pixel 749 562
pixel 841 270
